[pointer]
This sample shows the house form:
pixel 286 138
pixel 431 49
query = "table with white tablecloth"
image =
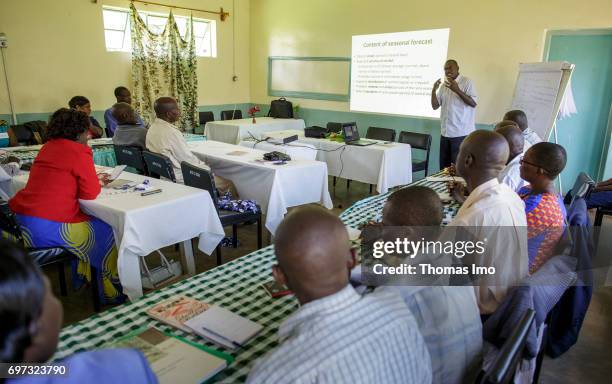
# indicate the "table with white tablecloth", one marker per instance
pixel 143 224
pixel 386 165
pixel 295 150
pixel 274 187
pixel 234 131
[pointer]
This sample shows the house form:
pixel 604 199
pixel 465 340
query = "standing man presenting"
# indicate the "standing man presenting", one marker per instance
pixel 457 98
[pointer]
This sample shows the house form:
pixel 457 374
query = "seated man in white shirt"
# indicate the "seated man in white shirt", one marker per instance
pixel 520 118
pixel 511 174
pixel 492 213
pixel 164 137
pixel 336 336
pixel 447 316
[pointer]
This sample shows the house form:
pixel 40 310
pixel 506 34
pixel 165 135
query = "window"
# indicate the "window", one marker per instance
pixel 118 37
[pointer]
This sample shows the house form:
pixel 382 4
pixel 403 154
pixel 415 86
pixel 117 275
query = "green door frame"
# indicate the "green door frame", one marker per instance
pixel 545 54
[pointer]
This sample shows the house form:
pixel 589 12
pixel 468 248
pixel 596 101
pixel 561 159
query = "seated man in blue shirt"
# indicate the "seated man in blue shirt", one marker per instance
pixel 447 316
pixel 31 318
pixel 123 95
pixel 336 336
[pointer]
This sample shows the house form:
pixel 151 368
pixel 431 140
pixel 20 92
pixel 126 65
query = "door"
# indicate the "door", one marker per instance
pixel 585 135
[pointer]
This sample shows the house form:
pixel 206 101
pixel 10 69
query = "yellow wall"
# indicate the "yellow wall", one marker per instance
pixel 56 50
pixel 488 37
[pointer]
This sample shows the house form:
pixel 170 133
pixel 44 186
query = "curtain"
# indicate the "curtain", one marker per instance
pixel 164 65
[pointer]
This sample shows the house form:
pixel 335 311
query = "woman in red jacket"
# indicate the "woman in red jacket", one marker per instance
pixel 48 207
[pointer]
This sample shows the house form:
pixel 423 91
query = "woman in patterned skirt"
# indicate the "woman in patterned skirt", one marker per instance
pixel 48 207
pixel 540 166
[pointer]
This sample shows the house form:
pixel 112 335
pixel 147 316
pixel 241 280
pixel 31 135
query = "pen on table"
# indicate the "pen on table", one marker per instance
pixel 147 193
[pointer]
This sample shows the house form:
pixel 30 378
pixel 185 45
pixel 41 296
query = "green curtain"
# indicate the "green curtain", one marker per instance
pixel 164 65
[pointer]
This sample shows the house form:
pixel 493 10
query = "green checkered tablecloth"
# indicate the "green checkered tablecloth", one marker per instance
pixel 102 154
pixel 234 285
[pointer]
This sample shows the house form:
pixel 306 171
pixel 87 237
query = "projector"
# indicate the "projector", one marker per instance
pixel 282 139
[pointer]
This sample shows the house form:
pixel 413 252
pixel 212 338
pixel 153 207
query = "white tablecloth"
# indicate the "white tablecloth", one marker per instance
pixel 234 131
pixel 143 224
pixel 386 165
pixel 274 187
pixel 296 150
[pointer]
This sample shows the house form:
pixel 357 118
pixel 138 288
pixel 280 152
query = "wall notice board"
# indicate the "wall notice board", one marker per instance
pixel 322 78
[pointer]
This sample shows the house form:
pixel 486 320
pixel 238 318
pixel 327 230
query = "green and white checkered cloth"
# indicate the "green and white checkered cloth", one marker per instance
pixel 102 154
pixel 235 286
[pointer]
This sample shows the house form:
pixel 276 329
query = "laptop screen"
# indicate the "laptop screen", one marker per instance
pixel 350 131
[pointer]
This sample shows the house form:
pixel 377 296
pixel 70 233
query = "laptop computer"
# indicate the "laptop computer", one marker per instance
pixel 351 135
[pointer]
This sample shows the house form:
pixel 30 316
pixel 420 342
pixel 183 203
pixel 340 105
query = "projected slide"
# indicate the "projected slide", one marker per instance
pixel 394 72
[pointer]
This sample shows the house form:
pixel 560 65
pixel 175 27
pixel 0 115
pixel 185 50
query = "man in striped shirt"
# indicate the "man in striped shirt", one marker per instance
pixel 337 336
pixel 447 316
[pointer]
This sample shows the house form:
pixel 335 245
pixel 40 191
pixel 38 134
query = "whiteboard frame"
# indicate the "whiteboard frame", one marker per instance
pixel 309 95
pixel 567 69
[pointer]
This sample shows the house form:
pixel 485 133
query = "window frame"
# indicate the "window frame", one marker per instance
pixel 212 29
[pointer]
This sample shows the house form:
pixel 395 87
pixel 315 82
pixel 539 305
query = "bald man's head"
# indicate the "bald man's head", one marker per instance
pixel 413 206
pixel 313 252
pixel 482 156
pixel 124 114
pixel 505 123
pixel 166 108
pixel 519 117
pixel 514 137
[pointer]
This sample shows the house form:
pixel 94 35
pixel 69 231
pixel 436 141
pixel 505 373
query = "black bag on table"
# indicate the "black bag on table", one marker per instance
pixel 281 109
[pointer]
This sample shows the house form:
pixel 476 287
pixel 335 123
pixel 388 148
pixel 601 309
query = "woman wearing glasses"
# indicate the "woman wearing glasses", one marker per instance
pixel 540 166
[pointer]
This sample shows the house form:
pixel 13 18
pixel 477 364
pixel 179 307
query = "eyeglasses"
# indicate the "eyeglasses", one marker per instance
pixel 523 161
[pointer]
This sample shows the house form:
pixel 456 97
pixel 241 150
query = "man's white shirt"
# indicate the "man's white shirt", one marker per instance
pixel 456 117
pixel 531 138
pixel 348 338
pixel 166 139
pixel 494 212
pixel 449 321
pixel 511 174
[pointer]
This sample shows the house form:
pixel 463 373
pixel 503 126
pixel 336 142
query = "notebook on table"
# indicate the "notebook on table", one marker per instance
pixel 176 310
pixel 223 327
pixel 175 360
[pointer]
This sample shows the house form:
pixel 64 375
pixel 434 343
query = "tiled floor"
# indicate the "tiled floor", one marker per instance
pixel 588 361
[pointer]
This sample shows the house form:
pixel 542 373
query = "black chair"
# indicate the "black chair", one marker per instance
pixel 45 257
pixel 130 156
pixel 600 213
pixel 334 127
pixel 204 118
pixel 382 134
pixel 420 141
pixel 231 115
pixel 201 178
pixel 503 368
pixel 158 166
